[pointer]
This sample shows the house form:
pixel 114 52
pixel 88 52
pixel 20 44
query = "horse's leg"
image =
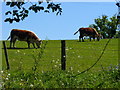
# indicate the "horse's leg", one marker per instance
pixel 82 38
pixel 98 38
pixel 94 38
pixel 79 39
pixel 11 43
pixel 14 43
pixel 90 38
pixel 28 44
pixel 33 45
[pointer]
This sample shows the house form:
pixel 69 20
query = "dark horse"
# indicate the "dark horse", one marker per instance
pixel 91 32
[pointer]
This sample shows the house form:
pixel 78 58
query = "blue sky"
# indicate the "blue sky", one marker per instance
pixel 50 26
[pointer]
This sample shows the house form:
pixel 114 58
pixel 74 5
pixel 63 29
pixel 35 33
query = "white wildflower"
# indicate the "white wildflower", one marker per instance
pixel 78 71
pixel 31 85
pixel 18 51
pixel 62 84
pixel 71 68
pixel 42 71
pixel 6 78
pixel 1 71
pixel 21 62
pixel 53 60
pixel 21 84
pixel 55 65
pixel 67 49
pixel 56 62
pixel 64 56
pixel 78 56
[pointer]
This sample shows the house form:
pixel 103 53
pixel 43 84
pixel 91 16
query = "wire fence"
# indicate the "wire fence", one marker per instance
pixel 79 56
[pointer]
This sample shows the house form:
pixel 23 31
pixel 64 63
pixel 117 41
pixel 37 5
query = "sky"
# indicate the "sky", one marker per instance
pixel 51 27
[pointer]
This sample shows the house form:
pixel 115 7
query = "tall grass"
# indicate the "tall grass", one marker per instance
pixel 106 78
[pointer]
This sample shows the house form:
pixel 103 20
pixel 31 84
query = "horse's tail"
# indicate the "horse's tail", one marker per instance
pixel 8 38
pixel 76 32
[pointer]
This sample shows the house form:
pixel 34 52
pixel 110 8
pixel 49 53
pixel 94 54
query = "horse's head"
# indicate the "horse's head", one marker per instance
pixel 99 36
pixel 38 43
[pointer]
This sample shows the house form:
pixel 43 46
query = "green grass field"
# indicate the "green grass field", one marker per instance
pixel 79 55
pixel 41 68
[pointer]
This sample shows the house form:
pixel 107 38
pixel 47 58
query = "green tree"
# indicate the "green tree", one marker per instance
pixel 117 35
pixel 21 9
pixel 112 26
pixel 107 26
pixel 101 23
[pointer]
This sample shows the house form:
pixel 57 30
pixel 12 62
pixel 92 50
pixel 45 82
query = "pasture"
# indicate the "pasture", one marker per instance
pixel 79 56
pixel 41 68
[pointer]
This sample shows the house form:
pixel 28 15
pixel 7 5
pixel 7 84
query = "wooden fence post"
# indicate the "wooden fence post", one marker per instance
pixel 6 55
pixel 119 52
pixel 63 55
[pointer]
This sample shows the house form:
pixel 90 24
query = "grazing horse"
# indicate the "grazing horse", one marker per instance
pixel 91 32
pixel 24 35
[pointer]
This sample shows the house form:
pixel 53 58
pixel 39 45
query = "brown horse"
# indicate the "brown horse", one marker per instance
pixel 91 32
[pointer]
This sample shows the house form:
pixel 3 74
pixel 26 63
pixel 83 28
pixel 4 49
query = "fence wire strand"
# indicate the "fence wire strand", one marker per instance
pixel 95 62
